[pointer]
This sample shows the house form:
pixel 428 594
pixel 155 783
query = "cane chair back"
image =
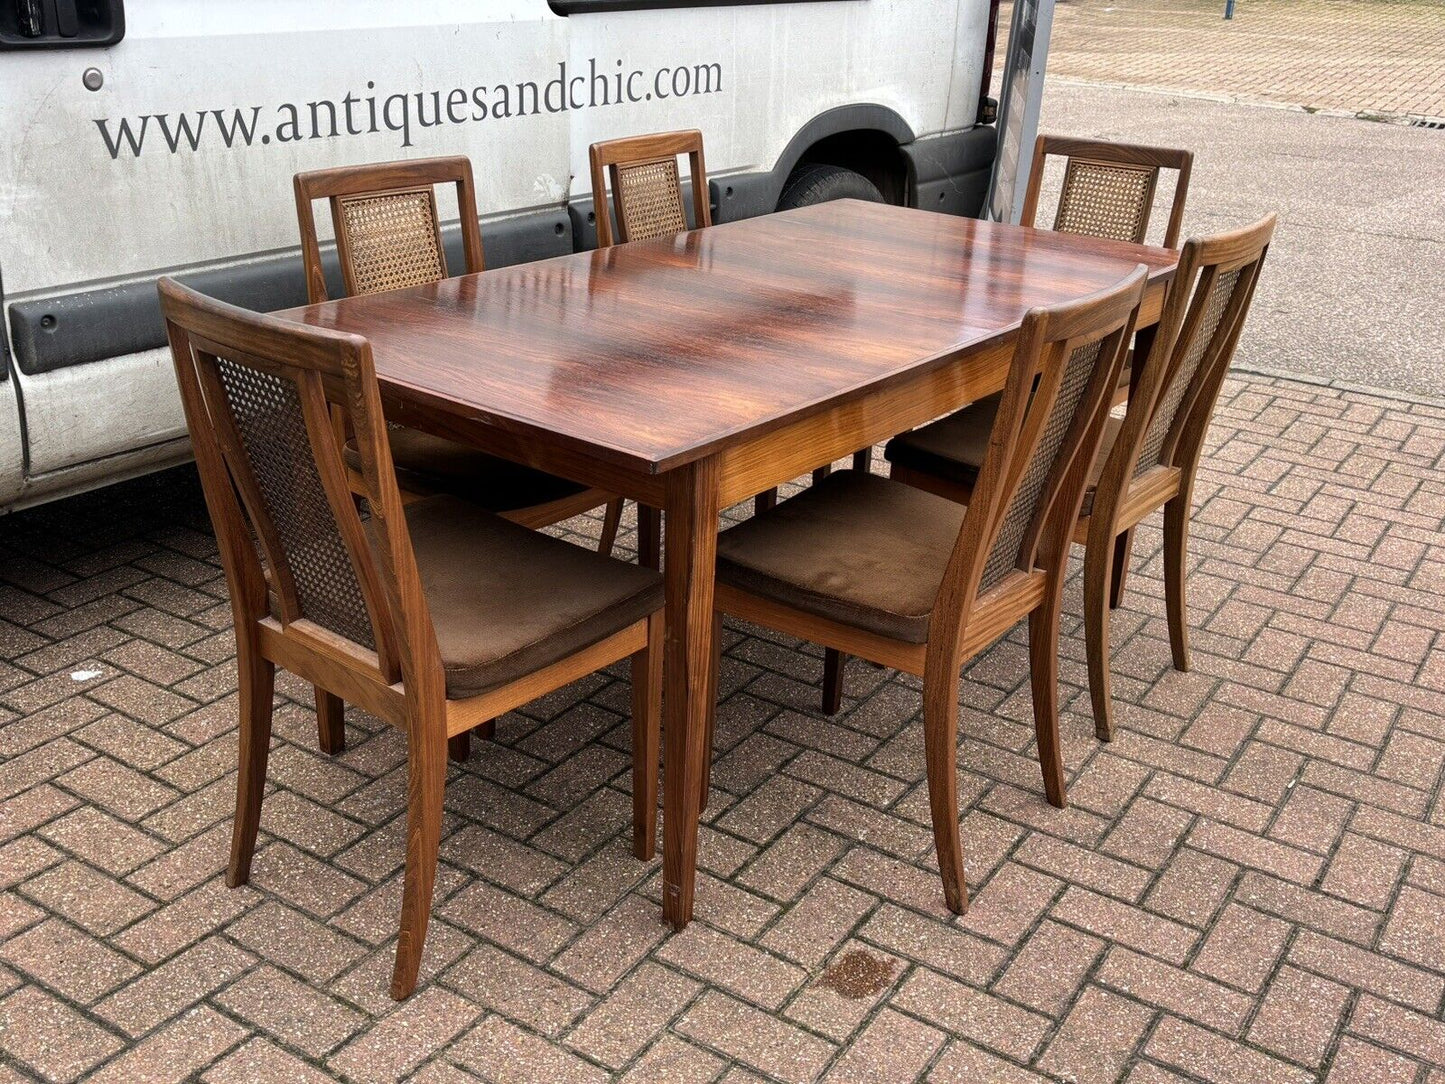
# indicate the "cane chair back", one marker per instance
pixel 1024 507
pixel 1043 443
pixel 263 417
pixel 258 394
pixel 1199 331
pixel 647 186
pixel 1108 188
pixel 388 229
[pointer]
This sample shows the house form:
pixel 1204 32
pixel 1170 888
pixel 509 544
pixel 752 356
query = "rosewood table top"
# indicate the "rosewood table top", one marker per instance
pixel 656 353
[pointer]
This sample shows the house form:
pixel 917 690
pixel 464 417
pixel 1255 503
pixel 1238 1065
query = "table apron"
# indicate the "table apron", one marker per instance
pixel 782 454
pixel 1152 307
pixel 530 451
pixel 751 466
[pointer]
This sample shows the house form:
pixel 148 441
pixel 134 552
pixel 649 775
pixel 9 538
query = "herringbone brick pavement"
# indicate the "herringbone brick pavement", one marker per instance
pixel 1249 884
pixel 1371 57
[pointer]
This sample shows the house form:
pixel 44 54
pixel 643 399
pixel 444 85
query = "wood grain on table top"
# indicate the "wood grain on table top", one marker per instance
pixel 655 353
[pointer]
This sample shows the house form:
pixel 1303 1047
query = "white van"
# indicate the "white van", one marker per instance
pixel 160 136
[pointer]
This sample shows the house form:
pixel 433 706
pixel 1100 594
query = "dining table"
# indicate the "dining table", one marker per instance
pixel 695 371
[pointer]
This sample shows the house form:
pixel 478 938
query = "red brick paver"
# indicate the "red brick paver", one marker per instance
pixel 1249 883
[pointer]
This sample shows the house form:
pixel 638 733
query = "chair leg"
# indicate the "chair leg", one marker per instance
pixel 863 460
pixel 1098 571
pixel 833 680
pixel 1044 676
pixel 649 536
pixel 330 721
pixel 765 500
pixel 257 678
pixel 705 782
pixel 459 746
pixel 1176 543
pixel 940 750
pixel 822 472
pixel 646 728
pixel 486 731
pixel 1123 547
pixel 610 521
pixel 426 778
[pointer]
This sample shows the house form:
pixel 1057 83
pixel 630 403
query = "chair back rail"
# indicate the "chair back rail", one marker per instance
pixel 1108 188
pixel 388 230
pixel 258 394
pixel 1042 446
pixel 646 186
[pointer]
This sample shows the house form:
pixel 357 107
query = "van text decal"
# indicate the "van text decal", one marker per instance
pixel 402 113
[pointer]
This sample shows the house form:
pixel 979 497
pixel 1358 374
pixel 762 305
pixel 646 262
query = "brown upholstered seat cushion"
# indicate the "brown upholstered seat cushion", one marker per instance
pixel 953 448
pixel 507 601
pixel 854 548
pixel 428 464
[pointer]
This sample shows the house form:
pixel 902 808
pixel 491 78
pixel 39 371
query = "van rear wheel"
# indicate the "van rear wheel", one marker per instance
pixel 819 183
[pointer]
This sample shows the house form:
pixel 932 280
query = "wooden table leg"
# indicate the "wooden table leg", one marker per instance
pixel 649 537
pixel 1143 344
pixel 691 551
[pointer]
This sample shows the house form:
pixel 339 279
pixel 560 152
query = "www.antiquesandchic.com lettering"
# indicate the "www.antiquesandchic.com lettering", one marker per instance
pixel 402 112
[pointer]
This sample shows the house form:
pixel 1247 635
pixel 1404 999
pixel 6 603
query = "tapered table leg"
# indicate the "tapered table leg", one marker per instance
pixel 691 551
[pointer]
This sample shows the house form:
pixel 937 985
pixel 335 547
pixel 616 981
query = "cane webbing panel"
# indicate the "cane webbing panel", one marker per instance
pixel 1173 395
pixel 649 197
pixel 1028 500
pixel 1106 199
pixel 391 239
pixel 267 413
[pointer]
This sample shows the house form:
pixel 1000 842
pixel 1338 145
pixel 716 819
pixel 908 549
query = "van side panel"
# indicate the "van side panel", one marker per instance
pixel 181 161
pixel 780 66
pixel 87 412
pixel 185 154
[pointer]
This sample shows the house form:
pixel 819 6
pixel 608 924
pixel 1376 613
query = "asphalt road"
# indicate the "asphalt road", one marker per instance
pixel 1354 289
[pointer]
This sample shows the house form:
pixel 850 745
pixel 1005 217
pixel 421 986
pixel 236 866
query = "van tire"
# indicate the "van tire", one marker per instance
pixel 819 183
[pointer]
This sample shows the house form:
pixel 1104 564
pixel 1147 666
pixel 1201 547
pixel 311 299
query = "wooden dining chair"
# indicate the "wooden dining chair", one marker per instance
pixel 1108 188
pixel 1153 455
pixel 1108 191
pixel 869 566
pixel 646 186
pixel 647 202
pixel 433 615
pixel 388 236
pixel 1149 457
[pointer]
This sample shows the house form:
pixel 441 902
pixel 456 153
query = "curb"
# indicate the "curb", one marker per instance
pixel 1404 120
pixel 1388 394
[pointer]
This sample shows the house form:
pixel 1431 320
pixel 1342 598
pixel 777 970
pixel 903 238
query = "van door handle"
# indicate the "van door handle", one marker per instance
pixel 61 24
pixel 67 19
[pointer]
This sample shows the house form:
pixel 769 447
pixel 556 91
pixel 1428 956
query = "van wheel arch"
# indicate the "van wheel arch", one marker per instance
pixel 868 139
pixel 862 138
